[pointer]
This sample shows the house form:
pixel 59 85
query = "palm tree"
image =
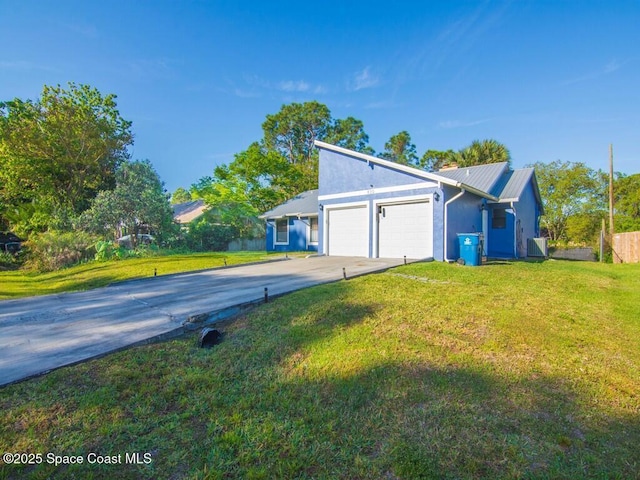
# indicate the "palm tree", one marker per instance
pixel 481 152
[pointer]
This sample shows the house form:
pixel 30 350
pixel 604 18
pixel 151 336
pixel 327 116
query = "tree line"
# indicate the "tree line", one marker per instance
pixel 67 176
pixel 66 170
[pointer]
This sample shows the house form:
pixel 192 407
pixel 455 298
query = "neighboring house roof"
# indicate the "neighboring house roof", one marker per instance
pixel 188 211
pixel 494 181
pixel 304 204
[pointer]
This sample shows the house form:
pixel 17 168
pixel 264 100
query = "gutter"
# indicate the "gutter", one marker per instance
pixel 515 231
pixel 446 218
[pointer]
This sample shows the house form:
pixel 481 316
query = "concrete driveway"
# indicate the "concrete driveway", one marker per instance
pixel 38 334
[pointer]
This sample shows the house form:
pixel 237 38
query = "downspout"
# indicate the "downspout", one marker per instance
pixel 515 231
pixel 446 221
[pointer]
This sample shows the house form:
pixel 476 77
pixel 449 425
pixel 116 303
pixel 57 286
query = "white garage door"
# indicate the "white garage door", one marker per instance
pixel 405 229
pixel 348 232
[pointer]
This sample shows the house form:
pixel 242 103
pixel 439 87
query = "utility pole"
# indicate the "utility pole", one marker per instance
pixel 611 230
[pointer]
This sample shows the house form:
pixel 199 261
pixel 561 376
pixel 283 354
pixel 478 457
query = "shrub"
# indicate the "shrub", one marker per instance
pixel 55 250
pixel 8 261
pixel 204 236
pixel 108 250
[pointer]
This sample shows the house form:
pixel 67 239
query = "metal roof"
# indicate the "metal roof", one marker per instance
pixel 481 177
pixel 513 183
pixel 304 204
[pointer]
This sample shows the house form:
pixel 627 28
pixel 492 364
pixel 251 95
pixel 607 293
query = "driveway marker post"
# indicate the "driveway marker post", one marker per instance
pixel 344 273
pixel 266 295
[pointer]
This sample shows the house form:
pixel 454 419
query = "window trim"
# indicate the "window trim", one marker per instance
pixel 502 224
pixel 275 229
pixel 311 241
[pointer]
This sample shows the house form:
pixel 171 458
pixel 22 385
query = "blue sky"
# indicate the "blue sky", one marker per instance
pixel 549 79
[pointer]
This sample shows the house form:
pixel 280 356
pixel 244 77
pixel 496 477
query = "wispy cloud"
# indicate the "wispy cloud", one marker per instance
pixel 23 65
pixel 461 124
pixel 150 68
pixel 84 29
pixel 451 44
pixel 612 66
pixel 293 86
pixel 363 79
pixel 241 93
pixel 381 105
pixel 257 85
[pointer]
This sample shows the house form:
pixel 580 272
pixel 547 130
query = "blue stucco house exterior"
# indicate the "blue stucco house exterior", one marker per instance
pixel 293 226
pixel 371 207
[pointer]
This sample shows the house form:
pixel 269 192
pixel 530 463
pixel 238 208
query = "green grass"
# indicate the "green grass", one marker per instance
pixel 21 283
pixel 512 370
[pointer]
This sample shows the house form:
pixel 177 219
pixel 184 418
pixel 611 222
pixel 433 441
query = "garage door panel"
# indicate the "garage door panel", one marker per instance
pixel 348 232
pixel 405 229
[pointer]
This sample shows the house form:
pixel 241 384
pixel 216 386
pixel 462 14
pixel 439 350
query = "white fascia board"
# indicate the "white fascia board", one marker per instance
pixel 403 168
pixel 299 215
pixel 373 191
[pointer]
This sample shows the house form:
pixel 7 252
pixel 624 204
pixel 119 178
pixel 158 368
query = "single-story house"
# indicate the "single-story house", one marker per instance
pixel 371 207
pixel 185 213
pixel 293 226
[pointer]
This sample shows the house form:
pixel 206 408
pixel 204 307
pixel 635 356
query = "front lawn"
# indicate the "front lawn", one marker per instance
pixel 510 370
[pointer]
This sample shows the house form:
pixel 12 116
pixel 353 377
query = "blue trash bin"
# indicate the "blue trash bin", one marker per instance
pixel 470 249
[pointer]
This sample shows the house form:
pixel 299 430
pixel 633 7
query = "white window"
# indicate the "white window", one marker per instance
pixel 282 230
pixel 313 230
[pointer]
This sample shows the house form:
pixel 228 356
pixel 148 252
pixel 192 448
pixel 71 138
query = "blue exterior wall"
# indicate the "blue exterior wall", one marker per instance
pixel 298 228
pixel 341 174
pixel 463 216
pixel 523 222
pixel 502 240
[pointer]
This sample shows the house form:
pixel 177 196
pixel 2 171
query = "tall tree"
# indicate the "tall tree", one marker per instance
pixel 399 149
pixel 349 133
pixel 627 203
pixel 433 160
pixel 292 131
pixel 568 190
pixel 482 152
pixel 180 196
pixel 57 152
pixel 229 200
pixel 269 177
pixel 138 200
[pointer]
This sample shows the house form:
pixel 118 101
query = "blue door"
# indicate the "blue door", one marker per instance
pixel 501 232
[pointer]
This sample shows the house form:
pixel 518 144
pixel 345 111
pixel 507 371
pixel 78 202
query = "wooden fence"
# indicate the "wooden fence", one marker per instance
pixel 626 247
pixel 243 244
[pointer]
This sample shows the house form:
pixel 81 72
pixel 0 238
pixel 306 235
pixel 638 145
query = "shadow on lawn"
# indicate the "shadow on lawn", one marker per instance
pixel 271 402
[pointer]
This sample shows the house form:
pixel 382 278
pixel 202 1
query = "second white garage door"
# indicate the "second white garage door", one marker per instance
pixel 405 229
pixel 348 231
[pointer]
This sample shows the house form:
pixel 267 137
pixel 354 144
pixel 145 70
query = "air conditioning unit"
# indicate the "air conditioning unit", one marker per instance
pixel 537 247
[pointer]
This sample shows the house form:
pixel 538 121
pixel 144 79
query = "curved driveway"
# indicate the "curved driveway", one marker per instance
pixel 38 334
